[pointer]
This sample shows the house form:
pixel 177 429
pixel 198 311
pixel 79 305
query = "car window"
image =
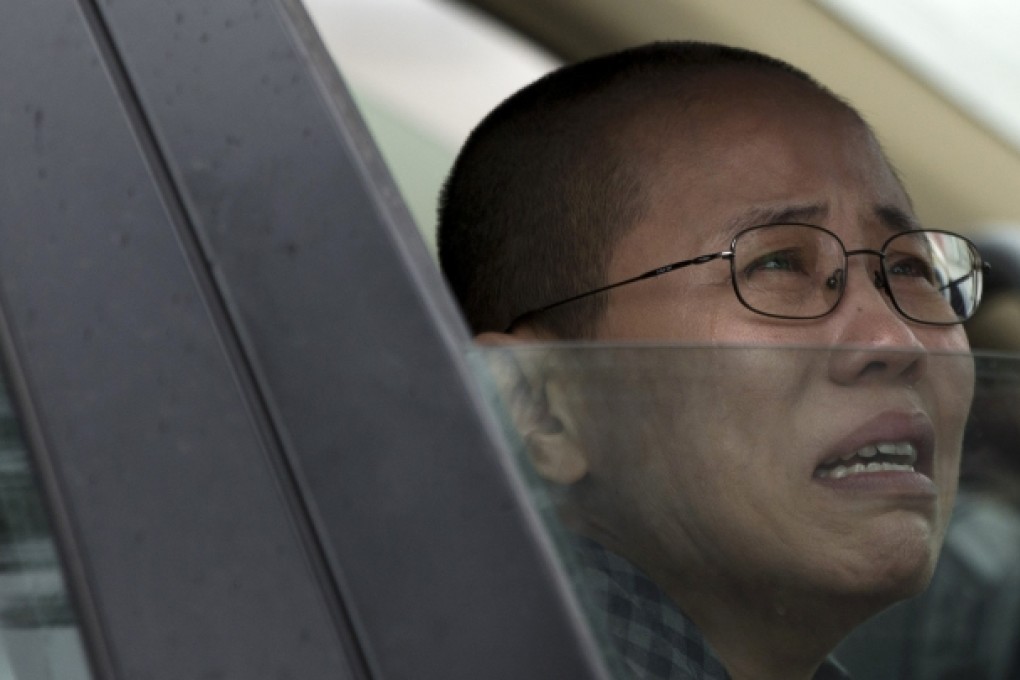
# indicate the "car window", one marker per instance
pixel 965 625
pixel 641 411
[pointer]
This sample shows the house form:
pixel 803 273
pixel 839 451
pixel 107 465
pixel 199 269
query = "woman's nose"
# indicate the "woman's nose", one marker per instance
pixel 882 343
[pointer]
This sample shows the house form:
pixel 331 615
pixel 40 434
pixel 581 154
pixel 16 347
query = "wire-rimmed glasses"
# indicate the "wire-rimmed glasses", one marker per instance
pixel 799 271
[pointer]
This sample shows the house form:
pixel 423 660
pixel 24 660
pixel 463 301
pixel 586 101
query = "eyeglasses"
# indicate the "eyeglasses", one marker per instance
pixel 799 271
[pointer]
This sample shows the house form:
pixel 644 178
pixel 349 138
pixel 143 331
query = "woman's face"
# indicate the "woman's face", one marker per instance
pixel 737 488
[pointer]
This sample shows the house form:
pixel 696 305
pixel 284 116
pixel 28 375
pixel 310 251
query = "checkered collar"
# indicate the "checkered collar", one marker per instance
pixel 652 639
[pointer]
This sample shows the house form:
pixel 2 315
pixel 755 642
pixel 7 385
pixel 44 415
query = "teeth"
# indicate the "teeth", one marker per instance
pixel 841 471
pixel 885 448
pixel 898 449
pixel 866 452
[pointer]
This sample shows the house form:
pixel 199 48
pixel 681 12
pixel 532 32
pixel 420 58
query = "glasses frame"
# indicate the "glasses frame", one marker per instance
pixel 881 280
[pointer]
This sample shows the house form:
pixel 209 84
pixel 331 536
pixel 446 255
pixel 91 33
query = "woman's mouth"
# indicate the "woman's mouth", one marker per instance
pixel 878 457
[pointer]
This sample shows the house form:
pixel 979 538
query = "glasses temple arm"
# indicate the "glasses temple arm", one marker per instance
pixel 651 274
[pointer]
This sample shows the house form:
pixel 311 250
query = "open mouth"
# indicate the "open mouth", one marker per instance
pixel 879 457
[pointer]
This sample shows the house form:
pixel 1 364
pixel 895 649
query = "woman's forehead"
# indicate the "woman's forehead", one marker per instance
pixel 753 167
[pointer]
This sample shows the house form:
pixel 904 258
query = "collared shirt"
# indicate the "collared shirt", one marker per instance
pixel 652 638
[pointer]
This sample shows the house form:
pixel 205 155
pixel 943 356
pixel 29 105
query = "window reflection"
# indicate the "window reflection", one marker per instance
pixel 38 635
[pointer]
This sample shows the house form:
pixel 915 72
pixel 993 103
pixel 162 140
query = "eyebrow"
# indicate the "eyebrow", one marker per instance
pixel 896 219
pixel 890 216
pixel 807 212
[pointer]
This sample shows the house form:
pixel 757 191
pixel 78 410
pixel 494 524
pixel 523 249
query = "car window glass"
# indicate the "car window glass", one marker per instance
pixel 638 414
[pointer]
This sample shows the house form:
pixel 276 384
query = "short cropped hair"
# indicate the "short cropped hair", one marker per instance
pixel 548 183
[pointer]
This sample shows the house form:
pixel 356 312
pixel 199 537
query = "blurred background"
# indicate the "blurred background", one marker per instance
pixel 936 78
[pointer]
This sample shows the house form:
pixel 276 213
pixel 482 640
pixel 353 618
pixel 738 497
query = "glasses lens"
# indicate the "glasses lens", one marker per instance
pixel 789 270
pixel 933 276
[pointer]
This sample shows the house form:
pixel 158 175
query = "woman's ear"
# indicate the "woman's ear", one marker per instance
pixel 538 406
pixel 555 448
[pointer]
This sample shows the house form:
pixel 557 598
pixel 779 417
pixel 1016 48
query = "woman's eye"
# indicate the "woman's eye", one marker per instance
pixel 913 267
pixel 779 261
